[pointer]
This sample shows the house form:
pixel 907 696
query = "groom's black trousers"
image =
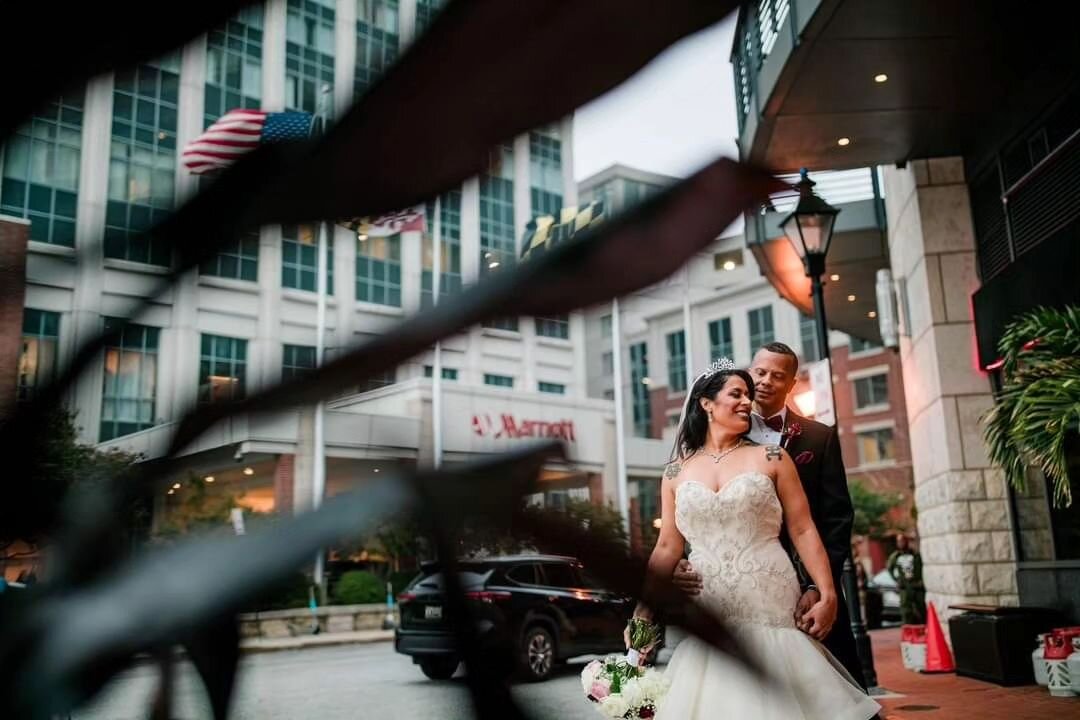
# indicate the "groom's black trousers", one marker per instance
pixel 841 640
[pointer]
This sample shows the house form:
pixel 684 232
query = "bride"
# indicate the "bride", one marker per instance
pixel 727 497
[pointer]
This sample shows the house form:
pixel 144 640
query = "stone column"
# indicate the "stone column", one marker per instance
pixel 964 523
pixel 344 56
pixel 283 484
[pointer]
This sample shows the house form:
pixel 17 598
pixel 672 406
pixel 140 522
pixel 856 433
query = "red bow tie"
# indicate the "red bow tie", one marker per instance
pixel 775 423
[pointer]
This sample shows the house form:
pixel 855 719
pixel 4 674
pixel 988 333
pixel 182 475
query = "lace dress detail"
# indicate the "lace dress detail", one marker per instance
pixel 749 582
pixel 735 547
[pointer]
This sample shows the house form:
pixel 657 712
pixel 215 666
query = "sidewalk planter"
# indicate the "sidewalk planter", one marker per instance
pixel 993 644
pixel 913 647
pixel 301 621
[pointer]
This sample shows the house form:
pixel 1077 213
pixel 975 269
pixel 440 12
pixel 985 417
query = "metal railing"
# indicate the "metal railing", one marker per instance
pixel 836 187
pixel 758 28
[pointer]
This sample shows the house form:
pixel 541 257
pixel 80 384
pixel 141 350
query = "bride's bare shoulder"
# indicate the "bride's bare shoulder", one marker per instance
pixel 673 469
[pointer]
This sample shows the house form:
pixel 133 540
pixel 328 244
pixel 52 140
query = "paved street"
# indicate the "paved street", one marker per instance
pixel 336 682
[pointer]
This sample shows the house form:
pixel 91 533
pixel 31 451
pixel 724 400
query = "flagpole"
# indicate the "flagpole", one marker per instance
pixel 436 369
pixel 318 474
pixel 622 490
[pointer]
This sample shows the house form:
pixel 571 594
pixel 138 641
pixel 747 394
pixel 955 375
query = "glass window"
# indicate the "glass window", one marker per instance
pixel 450 239
pixel 556 326
pixel 546 203
pixel 545 171
pixel 300 258
pixel 676 364
pixel 871 391
pixel 447 373
pixel 552 388
pixel 498 380
pixel 605 326
pixel 38 354
pixel 761 327
pixel 309 55
pixel 377 42
pixel 808 331
pixel 234 65
pixel 721 343
pixel 426 10
pixel 558 575
pixel 859 345
pixel 522 574
pixel 607 363
pixel 238 259
pixel 142 161
pixel 378 270
pixel 297 361
pixel 40 178
pixel 222 369
pixel 876 446
pixel 130 383
pixel 639 387
pixel 497 241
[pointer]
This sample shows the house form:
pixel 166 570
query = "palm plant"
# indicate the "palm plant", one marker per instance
pixel 1038 409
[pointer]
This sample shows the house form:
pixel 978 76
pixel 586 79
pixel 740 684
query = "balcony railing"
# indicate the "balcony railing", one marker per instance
pixel 760 24
pixel 840 188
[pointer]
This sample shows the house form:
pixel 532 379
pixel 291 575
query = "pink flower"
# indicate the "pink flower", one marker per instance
pixel 599 690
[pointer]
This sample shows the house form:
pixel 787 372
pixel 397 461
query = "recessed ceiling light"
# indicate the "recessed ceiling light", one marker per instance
pixel 834 277
pixel 851 298
pixel 880 78
pixel 871 314
pixel 176 486
pixel 249 471
pixel 171 491
pixel 729 265
pixel 646 381
pixel 843 142
pixel 209 478
pixel 376 469
pixel 493 264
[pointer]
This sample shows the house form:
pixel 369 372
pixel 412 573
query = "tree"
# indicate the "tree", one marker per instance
pixel 68 465
pixel 1036 417
pixel 199 507
pixel 872 511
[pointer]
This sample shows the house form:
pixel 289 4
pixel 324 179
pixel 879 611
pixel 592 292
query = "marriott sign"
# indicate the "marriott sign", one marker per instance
pixel 507 426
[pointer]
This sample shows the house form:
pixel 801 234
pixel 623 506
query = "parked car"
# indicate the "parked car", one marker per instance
pixel 535 610
pixel 882 600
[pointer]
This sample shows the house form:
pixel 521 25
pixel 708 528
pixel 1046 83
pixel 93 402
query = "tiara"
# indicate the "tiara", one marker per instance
pixel 719 365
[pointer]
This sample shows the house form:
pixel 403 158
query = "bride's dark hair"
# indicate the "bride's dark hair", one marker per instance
pixel 695 425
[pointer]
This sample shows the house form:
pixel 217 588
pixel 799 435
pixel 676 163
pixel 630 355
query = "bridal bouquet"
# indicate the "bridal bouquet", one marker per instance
pixel 619 686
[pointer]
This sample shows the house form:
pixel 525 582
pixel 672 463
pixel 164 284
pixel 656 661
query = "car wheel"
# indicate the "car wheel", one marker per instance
pixel 439 668
pixel 537 654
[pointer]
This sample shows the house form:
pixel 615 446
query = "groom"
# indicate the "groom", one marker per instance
pixel 815 449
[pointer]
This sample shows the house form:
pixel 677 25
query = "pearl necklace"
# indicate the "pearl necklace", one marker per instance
pixel 717 457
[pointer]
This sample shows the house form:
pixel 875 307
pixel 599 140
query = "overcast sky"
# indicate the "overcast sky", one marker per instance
pixel 674 116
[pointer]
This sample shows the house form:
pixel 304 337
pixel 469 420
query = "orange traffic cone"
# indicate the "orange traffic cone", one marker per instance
pixel 939 657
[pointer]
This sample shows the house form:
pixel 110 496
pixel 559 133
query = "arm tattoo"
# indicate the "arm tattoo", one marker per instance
pixel 773 452
pixel 672 470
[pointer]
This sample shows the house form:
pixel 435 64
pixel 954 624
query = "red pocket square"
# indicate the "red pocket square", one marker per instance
pixel 804 457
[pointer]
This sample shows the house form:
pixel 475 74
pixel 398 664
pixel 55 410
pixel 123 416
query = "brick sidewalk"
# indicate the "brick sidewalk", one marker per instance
pixel 948 697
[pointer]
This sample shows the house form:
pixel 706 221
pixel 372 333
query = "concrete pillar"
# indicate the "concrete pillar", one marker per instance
pixel 344 287
pixel 406 22
pixel 344 55
pixel 273 60
pixel 566 135
pixel 265 351
pixel 411 269
pixel 86 321
pixel 303 462
pixel 964 522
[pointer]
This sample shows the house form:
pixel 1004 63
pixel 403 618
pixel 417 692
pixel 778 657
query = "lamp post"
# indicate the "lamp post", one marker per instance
pixel 809 227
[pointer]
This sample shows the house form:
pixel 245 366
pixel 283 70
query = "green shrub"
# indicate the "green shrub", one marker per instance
pixel 358 587
pixel 290 593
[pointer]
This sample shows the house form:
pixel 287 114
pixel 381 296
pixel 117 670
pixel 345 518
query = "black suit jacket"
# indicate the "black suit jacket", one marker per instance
pixel 815 450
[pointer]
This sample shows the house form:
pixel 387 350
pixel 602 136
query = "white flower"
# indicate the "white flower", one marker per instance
pixel 653 685
pixel 632 692
pixel 589 675
pixel 614 706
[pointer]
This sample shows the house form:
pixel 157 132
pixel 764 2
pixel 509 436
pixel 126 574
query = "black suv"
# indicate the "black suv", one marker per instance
pixel 541 609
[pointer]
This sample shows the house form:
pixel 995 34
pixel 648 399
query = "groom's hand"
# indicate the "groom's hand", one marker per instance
pixel 806 602
pixel 686 579
pixel 819 619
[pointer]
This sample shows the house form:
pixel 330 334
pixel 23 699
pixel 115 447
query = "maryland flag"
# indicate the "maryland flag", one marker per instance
pixel 542 231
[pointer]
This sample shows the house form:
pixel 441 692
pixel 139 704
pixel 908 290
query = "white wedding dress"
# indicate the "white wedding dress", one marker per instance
pixel 750 583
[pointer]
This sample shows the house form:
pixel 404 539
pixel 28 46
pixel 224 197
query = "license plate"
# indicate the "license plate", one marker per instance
pixel 433 612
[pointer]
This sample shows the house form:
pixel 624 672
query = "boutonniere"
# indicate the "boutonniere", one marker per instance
pixel 792 430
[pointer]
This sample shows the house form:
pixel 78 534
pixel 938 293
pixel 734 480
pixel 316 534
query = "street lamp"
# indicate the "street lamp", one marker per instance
pixel 809 227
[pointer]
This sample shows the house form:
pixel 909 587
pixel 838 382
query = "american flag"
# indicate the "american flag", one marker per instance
pixel 238 132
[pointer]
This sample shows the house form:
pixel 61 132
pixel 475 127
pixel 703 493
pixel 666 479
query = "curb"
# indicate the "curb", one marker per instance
pixel 262 645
